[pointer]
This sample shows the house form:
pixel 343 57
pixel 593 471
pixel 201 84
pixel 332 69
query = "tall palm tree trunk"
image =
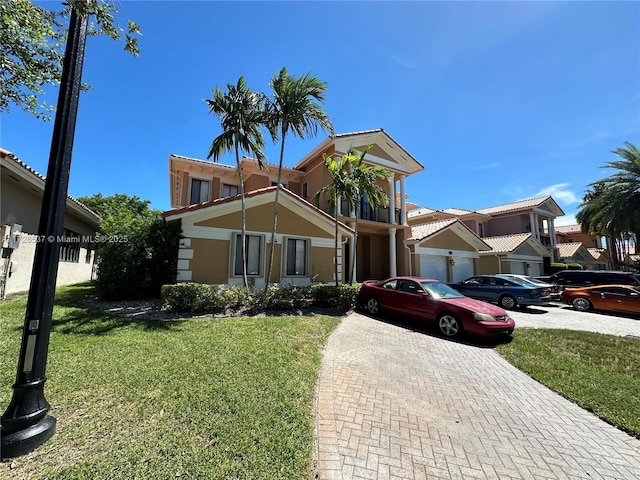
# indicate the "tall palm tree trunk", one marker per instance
pixel 352 273
pixel 335 257
pixel 275 214
pixel 244 222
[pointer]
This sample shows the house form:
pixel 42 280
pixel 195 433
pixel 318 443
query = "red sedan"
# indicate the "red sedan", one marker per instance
pixel 437 303
pixel 611 298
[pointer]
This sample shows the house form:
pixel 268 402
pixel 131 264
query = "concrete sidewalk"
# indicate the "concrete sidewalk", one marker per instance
pixel 399 403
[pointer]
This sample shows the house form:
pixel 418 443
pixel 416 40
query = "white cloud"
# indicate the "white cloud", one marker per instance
pixel 560 193
pixel 402 62
pixel 487 166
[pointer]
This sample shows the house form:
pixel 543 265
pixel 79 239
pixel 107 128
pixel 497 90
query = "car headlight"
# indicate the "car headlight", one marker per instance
pixel 483 317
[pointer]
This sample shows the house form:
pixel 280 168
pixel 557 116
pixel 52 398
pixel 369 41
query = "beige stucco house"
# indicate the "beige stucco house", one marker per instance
pixel 213 188
pixel 21 193
pixel 520 235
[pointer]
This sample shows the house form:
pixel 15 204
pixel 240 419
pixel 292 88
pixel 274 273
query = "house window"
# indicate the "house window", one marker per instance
pixel 229 190
pixel 69 246
pixel 253 252
pixel 481 229
pixel 199 191
pixel 305 190
pixel 296 257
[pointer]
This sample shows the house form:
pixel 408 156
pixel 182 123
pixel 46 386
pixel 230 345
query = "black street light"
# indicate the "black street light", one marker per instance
pixel 25 424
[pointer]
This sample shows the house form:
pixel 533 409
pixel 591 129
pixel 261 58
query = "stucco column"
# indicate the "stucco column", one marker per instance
pixel 552 232
pixel 339 207
pixel 531 224
pixel 392 253
pixel 353 258
pixel 392 199
pixel 403 206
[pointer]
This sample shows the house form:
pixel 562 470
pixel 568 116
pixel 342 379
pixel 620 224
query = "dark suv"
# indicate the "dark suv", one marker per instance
pixel 584 278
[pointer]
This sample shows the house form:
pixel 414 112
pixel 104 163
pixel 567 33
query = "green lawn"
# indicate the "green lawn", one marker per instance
pixel 202 398
pixel 233 397
pixel 601 373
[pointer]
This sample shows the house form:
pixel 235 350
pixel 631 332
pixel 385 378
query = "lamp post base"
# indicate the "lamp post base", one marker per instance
pixel 24 441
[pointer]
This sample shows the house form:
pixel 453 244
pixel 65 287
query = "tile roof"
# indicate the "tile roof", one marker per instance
pixel 567 250
pixel 424 230
pixel 327 141
pixel 224 165
pixel 597 253
pixel 569 229
pixel 458 211
pixel 506 243
pixel 418 212
pixel 9 155
pixel 514 206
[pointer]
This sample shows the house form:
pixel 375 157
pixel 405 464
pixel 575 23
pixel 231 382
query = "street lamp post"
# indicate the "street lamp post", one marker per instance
pixel 25 423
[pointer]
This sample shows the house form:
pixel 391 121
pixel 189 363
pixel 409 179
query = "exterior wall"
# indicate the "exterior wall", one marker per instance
pixel 21 266
pixel 21 205
pixel 449 240
pixel 255 182
pixel 586 239
pixel 507 225
pixel 205 254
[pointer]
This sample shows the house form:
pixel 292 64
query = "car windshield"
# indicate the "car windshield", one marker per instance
pixel 440 290
pixel 526 281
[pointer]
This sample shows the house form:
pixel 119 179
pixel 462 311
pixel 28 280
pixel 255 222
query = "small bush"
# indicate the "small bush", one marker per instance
pixel 341 297
pixel 197 297
pixel 282 298
pixel 188 297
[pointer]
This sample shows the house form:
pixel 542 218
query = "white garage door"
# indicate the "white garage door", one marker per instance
pixel 517 267
pixel 534 269
pixel 433 267
pixel 462 269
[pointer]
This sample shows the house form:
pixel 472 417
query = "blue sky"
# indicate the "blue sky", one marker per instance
pixel 499 101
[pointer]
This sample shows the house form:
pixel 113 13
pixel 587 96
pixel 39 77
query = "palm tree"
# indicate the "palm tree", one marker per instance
pixel 365 177
pixel 612 205
pixel 294 109
pixel 341 186
pixel 241 115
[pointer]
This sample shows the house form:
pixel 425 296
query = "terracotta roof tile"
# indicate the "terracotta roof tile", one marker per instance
pixel 569 229
pixel 596 253
pixel 514 206
pixel 419 232
pixel 567 250
pixel 506 243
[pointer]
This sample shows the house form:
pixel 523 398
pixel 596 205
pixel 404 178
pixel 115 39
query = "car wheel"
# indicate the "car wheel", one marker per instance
pixel 373 306
pixel 508 302
pixel 581 304
pixel 449 325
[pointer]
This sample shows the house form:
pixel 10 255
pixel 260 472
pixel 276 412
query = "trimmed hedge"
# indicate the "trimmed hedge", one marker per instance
pixel 198 297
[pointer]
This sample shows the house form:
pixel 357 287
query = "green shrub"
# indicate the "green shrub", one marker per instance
pixel 281 298
pixel 341 297
pixel 188 297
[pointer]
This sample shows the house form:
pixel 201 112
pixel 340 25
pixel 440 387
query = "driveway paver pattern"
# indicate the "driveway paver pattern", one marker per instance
pixel 396 403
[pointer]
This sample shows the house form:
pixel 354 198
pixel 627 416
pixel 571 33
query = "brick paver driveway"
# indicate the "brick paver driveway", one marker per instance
pixel 394 402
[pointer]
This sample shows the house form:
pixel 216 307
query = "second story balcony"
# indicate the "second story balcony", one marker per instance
pixel 368 212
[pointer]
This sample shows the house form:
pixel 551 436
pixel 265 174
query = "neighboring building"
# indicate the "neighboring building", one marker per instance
pixel 602 260
pixel 574 233
pixel 381 231
pixel 515 247
pixel 521 254
pixel 575 253
pixel 445 250
pixel 20 203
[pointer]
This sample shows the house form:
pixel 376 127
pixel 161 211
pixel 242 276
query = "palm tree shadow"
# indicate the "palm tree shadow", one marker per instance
pixel 78 321
pixel 431 330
